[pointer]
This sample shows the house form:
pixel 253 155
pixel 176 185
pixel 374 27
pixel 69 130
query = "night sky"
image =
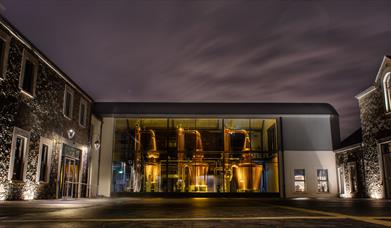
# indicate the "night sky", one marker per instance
pixel 254 51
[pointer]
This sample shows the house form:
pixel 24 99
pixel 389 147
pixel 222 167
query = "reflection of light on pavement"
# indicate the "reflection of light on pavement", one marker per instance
pixel 200 198
pixel 346 195
pixel 301 198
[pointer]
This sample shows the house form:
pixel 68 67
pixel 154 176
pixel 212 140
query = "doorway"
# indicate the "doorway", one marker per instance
pixel 341 181
pixel 386 154
pixel 70 170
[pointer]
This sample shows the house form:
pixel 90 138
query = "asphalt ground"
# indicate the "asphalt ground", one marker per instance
pixel 196 212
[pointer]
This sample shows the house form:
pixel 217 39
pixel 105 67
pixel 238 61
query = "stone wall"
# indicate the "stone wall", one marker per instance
pixel 376 125
pixel 42 116
pixel 345 159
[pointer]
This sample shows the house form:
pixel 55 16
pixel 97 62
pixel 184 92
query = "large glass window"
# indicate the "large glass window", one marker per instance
pixel 323 180
pixel 299 175
pixel 195 155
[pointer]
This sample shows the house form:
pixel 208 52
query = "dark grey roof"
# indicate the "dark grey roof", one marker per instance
pixel 353 139
pixel 179 108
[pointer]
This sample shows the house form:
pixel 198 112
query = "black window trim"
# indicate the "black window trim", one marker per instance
pixel 18 132
pixel 30 57
pixel 83 101
pixel 3 66
pixel 48 143
pixel 70 90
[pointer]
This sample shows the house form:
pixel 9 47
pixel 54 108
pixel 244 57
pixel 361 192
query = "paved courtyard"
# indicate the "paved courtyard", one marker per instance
pixel 196 212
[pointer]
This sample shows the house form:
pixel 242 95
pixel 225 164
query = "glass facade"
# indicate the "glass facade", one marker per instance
pixel 323 180
pixel 195 155
pixel 299 180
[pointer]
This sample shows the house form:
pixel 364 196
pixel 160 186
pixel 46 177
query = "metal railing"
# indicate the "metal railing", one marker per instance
pixel 74 190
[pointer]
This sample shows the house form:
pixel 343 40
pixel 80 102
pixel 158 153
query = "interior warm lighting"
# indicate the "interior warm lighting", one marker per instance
pixel 199 155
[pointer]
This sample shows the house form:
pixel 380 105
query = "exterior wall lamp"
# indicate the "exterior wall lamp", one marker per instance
pixel 97 145
pixel 71 133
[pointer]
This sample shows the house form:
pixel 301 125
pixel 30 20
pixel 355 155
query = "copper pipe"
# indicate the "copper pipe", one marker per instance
pixel 181 157
pixel 198 168
pixel 152 166
pixel 248 175
pixel 137 149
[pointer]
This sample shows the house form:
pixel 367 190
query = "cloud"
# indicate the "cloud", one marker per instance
pixel 259 51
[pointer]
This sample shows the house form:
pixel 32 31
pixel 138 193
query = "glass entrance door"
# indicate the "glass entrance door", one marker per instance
pixel 69 172
pixel 70 180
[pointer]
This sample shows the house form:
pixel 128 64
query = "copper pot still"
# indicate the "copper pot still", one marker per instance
pixel 248 177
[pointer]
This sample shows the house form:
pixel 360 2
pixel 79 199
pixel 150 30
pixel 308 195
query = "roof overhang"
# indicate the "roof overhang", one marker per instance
pixel 181 108
pixel 365 92
pixel 386 60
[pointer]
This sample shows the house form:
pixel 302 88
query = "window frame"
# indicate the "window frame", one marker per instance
pixel 352 166
pixel 48 143
pixel 83 101
pixel 68 89
pixel 5 54
pixel 304 181
pixel 18 132
pixel 318 181
pixel 27 56
pixel 387 91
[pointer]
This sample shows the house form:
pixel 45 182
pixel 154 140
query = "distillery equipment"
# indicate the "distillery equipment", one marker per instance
pixel 192 175
pixel 247 174
pixel 180 185
pixel 198 168
pixel 151 167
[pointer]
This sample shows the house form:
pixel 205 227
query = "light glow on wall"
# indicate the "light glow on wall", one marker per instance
pixel 29 191
pixel 376 191
pixel 376 195
pixel 3 192
pixel 386 91
pixel 346 195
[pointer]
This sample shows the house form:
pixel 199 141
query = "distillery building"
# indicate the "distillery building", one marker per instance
pixel 280 148
pixel 364 158
pixel 56 142
pixel 45 126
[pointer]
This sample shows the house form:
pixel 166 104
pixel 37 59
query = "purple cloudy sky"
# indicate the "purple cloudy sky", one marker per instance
pixel 257 51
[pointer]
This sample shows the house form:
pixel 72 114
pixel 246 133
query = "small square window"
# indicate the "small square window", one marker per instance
pixel 323 180
pixel 299 175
